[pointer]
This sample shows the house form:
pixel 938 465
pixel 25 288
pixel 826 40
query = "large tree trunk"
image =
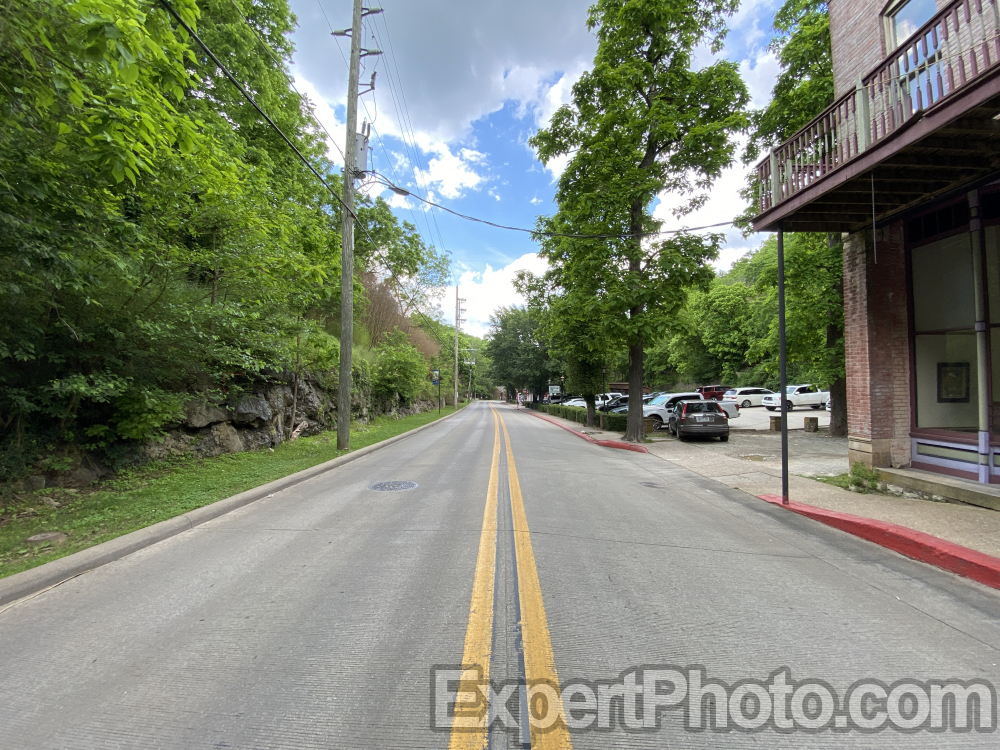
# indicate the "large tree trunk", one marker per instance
pixel 590 409
pixel 634 432
pixel 838 408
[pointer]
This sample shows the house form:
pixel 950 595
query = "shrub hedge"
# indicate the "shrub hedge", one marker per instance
pixel 614 422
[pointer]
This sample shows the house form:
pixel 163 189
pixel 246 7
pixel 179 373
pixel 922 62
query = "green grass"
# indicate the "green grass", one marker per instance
pixel 137 498
pixel 860 479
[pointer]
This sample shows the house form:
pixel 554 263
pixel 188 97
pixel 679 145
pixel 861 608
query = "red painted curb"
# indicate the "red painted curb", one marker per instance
pixel 620 444
pixel 932 550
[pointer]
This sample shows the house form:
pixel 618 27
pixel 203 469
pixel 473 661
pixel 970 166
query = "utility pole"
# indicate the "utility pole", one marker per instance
pixel 347 226
pixel 458 322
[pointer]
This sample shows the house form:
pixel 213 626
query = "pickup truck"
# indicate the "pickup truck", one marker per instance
pixel 798 395
pixel 661 407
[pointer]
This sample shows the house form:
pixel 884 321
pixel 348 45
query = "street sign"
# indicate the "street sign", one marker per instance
pixel 436 377
pixel 553 390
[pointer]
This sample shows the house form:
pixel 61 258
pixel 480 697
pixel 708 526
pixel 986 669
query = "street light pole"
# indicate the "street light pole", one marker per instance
pixel 607 399
pixel 782 364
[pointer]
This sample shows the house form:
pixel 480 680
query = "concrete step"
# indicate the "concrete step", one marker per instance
pixel 951 488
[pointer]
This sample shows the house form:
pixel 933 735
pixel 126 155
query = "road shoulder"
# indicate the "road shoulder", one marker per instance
pixel 50 574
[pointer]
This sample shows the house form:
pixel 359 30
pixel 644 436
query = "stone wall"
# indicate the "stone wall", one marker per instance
pixel 260 418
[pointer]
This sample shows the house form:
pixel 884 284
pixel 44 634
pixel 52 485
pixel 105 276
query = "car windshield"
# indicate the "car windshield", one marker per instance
pixel 658 400
pixel 731 392
pixel 790 388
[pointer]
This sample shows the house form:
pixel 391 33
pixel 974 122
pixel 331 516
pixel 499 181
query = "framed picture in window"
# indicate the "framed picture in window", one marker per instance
pixel 953 382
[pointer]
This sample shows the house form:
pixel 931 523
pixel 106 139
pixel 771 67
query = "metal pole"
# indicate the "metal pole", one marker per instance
pixel 607 399
pixel 347 245
pixel 457 318
pixel 782 363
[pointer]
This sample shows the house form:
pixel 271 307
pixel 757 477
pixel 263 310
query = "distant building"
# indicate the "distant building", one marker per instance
pixel 911 145
pixel 622 388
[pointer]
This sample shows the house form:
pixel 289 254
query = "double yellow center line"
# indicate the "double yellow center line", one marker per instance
pixel 471 731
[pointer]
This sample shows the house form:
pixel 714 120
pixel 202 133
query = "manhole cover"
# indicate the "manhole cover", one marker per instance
pixel 394 486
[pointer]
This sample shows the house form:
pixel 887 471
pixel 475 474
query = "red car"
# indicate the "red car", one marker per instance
pixel 713 392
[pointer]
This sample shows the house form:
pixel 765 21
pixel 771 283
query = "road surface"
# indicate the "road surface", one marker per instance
pixel 335 616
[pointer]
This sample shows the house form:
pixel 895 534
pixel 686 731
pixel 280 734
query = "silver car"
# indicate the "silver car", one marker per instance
pixel 699 418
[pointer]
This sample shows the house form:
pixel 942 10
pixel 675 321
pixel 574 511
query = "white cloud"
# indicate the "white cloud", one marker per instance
pixel 535 201
pixel 324 112
pixel 485 291
pixel 449 172
pixel 760 75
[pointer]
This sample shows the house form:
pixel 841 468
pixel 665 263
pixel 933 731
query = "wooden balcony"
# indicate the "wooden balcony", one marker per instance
pixel 920 125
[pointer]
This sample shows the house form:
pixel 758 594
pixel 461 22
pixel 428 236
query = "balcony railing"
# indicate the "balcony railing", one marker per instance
pixel 957 46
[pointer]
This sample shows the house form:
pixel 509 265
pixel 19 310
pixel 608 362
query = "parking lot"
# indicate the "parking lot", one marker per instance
pixel 759 418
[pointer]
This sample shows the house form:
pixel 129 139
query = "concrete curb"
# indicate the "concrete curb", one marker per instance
pixel 53 573
pixel 620 444
pixel 917 545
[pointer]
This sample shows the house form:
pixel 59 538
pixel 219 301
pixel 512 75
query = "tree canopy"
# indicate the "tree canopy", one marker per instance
pixel 642 122
pixel 157 234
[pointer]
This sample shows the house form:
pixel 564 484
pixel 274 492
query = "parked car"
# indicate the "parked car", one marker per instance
pixel 661 406
pixel 697 417
pixel 614 403
pixel 746 397
pixel 713 392
pixel 574 402
pixel 798 395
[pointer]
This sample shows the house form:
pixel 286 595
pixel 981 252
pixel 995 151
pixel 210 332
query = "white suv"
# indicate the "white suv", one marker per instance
pixel 746 397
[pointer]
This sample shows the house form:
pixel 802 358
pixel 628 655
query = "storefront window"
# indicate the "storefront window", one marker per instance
pixel 945 343
pixel 947 387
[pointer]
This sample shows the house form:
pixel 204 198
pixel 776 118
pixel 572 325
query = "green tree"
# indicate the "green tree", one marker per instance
pixel 803 90
pixel 642 122
pixel 518 357
pixel 157 235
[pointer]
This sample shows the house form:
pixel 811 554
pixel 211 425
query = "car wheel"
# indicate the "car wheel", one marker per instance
pixel 746 404
pixel 770 408
pixel 723 438
pixel 789 406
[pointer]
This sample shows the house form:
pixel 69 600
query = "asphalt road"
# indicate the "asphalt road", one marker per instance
pixel 316 618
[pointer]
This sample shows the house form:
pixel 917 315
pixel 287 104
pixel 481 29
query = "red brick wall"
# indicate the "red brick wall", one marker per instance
pixel 876 342
pixel 856 37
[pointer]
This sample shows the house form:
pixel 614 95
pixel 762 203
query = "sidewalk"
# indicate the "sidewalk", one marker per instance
pixel 760 474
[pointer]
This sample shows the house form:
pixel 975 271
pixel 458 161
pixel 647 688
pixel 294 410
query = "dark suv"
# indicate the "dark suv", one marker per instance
pixel 713 392
pixel 699 418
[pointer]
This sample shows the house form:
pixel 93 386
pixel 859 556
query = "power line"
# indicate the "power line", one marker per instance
pixel 416 222
pixel 250 99
pixel 539 233
pixel 408 123
pixel 281 67
pixel 246 95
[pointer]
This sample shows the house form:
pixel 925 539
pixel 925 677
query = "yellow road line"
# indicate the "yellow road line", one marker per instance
pixel 470 723
pixel 539 662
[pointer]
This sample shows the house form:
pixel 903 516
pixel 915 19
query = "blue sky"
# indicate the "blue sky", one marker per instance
pixel 478 79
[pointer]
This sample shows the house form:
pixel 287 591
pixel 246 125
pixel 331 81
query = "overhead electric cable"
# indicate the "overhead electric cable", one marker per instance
pixel 246 95
pixel 540 233
pixel 281 67
pixel 404 119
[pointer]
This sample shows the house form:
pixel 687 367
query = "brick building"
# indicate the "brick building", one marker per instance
pixel 906 165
